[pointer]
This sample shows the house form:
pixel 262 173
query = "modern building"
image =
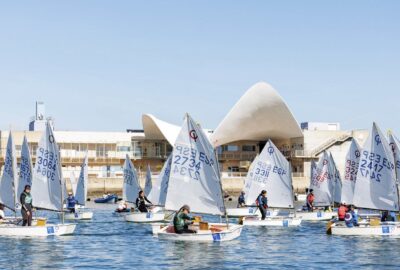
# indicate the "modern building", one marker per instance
pixel 260 114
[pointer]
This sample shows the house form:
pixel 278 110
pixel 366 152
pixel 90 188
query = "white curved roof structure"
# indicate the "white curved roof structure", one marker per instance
pixel 260 114
pixel 156 129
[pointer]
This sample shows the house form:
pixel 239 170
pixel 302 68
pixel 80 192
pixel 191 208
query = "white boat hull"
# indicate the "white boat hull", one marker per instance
pixel 249 212
pixel 273 222
pixel 144 217
pixel 47 230
pixel 221 235
pixel 316 215
pixel 79 215
pixel 366 230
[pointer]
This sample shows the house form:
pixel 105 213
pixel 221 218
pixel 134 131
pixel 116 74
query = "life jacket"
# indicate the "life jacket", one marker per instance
pixel 342 212
pixel 310 198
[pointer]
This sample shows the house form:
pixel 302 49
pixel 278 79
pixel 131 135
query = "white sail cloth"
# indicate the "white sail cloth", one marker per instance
pixel 195 177
pixel 148 184
pixel 337 181
pixel 321 182
pixel 8 182
pixel 82 184
pixel 350 173
pixel 270 172
pixel 376 179
pixel 158 193
pixel 47 183
pixel 130 188
pixel 25 171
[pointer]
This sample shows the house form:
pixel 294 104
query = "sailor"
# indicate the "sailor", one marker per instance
pixel 182 220
pixel 388 216
pixel 26 206
pixel 262 203
pixel 351 218
pixel 2 215
pixel 71 202
pixel 141 202
pixel 342 211
pixel 241 200
pixel 310 201
pixel 122 206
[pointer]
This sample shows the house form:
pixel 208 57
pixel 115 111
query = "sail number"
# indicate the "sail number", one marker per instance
pixel 25 172
pixel 263 170
pixel 351 170
pixel 372 165
pixel 8 168
pixel 129 177
pixel 188 162
pixel 46 163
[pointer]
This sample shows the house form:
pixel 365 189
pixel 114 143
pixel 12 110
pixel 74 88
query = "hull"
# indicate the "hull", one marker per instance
pixel 390 229
pixel 273 222
pixel 109 199
pixel 47 230
pixel 144 217
pixel 249 212
pixel 316 216
pixel 79 215
pixel 218 233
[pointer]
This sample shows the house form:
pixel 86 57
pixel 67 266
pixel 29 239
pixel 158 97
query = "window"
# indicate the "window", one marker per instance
pixel 123 149
pixel 248 148
pixel 230 148
pixel 233 169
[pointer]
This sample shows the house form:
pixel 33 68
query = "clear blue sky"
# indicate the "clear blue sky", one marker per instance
pixel 98 65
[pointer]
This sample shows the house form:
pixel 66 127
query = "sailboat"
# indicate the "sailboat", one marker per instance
pixel 272 173
pixel 323 187
pixel 25 169
pixel 130 191
pixel 248 211
pixel 375 188
pixel 195 180
pixel 337 182
pixel 80 193
pixel 46 191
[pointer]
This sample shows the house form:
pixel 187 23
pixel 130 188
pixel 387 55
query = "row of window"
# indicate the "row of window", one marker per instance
pixel 235 148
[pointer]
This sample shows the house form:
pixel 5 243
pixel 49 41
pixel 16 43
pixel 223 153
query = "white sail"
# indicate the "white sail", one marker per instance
pixel 25 171
pixel 47 182
pixel 195 177
pixel 395 145
pixel 376 180
pixel 350 173
pixel 73 182
pixel 8 194
pixel 271 172
pixel 248 182
pixel 130 188
pixel 321 182
pixel 337 181
pixel 148 184
pixel 158 193
pixel 82 184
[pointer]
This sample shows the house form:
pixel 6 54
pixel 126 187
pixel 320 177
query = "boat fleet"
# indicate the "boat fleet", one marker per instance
pixel 191 176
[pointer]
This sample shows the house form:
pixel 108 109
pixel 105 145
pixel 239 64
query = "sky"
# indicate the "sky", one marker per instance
pixel 99 65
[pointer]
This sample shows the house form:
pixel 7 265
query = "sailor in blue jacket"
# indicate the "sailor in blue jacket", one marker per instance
pixel 71 202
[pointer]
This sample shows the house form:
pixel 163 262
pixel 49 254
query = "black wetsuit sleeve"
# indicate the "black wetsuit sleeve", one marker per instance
pixel 22 199
pixel 147 200
pixel 137 202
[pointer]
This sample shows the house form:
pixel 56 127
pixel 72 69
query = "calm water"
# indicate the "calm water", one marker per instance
pixel 108 242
